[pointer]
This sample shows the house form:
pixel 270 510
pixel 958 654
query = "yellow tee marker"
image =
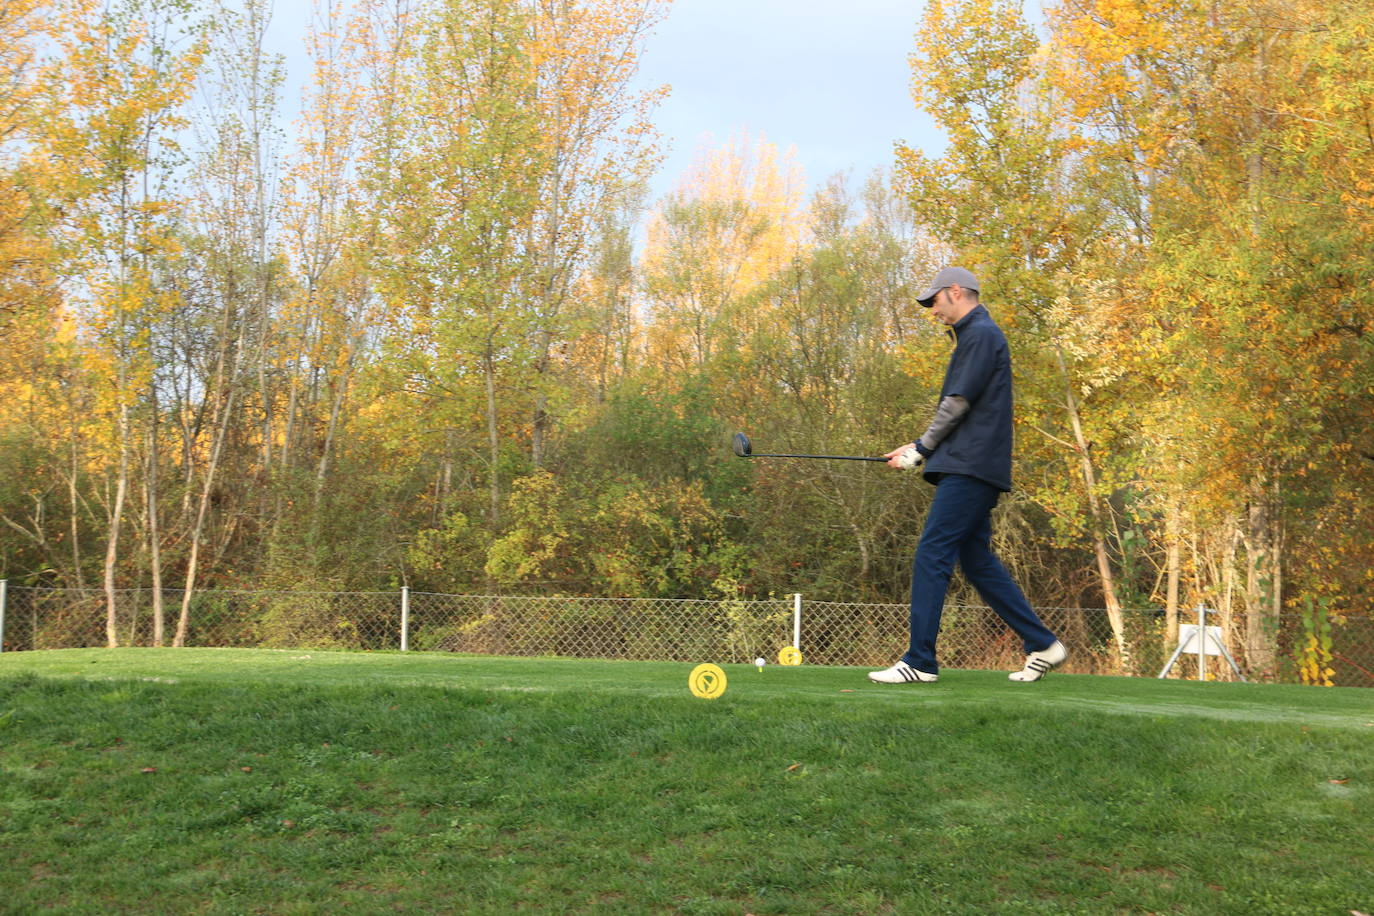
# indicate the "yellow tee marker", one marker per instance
pixel 789 655
pixel 707 681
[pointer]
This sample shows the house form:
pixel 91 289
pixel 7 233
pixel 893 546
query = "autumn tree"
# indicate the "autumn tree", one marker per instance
pixel 596 143
pixel 1209 119
pixel 31 308
pixel 608 347
pixel 465 196
pixel 126 71
pixel 733 221
pixel 522 134
pixel 322 325
pixel 25 317
pixel 231 222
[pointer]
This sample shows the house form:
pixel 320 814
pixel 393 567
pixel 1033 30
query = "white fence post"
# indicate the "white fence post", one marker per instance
pixel 405 618
pixel 1202 642
pixel 796 621
pixel 4 599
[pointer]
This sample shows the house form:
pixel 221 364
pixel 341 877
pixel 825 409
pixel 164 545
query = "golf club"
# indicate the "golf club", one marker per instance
pixel 744 449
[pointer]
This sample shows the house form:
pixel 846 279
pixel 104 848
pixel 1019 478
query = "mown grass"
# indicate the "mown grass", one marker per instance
pixel 218 781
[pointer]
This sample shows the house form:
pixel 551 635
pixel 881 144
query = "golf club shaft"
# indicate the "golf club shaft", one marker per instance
pixel 822 457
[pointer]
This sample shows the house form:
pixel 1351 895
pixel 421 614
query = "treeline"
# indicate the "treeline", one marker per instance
pixel 437 336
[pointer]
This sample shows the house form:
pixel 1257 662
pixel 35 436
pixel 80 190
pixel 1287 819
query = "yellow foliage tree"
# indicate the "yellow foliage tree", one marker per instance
pixel 122 74
pixel 734 221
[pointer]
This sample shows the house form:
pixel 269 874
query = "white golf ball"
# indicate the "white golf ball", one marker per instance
pixel 760 661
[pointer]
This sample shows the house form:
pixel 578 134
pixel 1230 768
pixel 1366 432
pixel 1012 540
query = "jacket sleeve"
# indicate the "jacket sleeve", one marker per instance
pixel 949 414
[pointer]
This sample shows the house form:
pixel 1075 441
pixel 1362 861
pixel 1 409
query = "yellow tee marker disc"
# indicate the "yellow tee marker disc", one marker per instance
pixel 789 655
pixel 707 681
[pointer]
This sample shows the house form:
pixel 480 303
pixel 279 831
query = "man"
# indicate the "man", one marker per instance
pixel 967 456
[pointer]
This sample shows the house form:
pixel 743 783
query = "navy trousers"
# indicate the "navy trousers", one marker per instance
pixel 959 528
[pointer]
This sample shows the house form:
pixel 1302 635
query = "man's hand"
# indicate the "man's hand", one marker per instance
pixel 904 457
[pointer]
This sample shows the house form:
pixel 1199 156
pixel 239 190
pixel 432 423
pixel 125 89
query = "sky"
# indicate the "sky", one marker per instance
pixel 827 78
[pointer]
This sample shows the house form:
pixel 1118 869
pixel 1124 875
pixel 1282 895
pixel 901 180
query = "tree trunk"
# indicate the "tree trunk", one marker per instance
pixel 444 485
pixel 327 451
pixel 1173 563
pixel 493 435
pixel 225 389
pixel 198 531
pixel 541 404
pixel 1095 512
pixel 154 529
pixel 73 498
pixel 116 522
pixel 1263 579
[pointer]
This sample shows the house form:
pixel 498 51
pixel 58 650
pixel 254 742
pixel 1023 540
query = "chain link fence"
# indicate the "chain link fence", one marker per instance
pixel 1319 649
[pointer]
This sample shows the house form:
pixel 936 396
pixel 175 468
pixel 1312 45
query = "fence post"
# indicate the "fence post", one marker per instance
pixel 4 599
pixel 405 618
pixel 796 620
pixel 1202 642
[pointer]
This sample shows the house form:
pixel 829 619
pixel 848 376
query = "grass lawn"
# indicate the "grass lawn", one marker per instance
pixel 243 781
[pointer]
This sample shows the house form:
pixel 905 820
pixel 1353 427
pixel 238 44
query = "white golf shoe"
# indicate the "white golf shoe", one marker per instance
pixel 1037 663
pixel 902 673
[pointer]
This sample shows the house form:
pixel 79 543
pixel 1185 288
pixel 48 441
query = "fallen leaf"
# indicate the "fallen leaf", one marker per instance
pixel 1338 782
pixel 149 770
pixel 794 767
pixel 246 769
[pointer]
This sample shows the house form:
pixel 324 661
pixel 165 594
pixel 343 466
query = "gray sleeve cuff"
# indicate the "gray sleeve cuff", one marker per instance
pixel 948 415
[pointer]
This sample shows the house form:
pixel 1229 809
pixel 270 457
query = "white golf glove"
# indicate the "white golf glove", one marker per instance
pixel 909 458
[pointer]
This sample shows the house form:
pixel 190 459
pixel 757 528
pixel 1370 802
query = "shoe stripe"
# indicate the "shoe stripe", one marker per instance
pixel 909 674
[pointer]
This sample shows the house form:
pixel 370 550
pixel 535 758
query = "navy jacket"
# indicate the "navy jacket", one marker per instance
pixel 979 372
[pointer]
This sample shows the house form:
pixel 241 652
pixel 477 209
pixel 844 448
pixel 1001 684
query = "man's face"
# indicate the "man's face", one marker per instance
pixel 944 307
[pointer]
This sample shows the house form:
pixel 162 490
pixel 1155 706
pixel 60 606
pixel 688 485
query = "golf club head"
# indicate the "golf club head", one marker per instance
pixel 742 447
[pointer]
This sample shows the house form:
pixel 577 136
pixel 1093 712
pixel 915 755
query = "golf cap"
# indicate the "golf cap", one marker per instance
pixel 950 276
